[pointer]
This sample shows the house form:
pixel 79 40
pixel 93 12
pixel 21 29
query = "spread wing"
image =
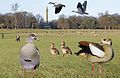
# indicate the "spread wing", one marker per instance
pixel 57 9
pixel 84 6
pixel 96 51
pixel 79 7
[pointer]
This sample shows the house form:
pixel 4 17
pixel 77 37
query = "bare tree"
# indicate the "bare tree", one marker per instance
pixel 61 22
pixel 14 9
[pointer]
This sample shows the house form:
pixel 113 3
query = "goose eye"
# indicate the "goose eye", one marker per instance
pixel 104 39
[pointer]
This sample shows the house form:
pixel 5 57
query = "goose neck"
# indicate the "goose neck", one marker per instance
pixel 29 40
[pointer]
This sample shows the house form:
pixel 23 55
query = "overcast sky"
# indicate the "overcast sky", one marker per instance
pixel 38 7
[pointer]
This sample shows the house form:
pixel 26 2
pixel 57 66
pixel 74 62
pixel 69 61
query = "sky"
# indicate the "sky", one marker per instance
pixel 38 7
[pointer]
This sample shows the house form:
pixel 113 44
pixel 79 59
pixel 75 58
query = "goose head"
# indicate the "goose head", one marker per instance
pixel 31 37
pixel 63 44
pixel 107 41
pixel 63 6
pixel 52 45
pixel 54 3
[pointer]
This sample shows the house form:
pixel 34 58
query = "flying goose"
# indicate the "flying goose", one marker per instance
pixel 97 52
pixel 53 50
pixel 65 49
pixel 29 54
pixel 57 6
pixel 81 8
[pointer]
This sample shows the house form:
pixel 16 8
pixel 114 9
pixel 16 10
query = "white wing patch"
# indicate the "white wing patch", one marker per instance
pixel 96 51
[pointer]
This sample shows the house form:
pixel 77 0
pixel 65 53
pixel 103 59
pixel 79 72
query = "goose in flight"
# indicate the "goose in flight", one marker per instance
pixel 81 8
pixel 97 52
pixel 57 6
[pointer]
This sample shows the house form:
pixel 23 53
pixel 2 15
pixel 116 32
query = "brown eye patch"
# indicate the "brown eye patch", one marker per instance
pixel 33 35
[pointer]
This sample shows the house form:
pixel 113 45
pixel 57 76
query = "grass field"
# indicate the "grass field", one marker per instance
pixel 69 66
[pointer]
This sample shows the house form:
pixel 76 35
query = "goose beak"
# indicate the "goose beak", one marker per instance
pixel 78 45
pixel 101 42
pixel 50 3
pixel 36 38
pixel 111 43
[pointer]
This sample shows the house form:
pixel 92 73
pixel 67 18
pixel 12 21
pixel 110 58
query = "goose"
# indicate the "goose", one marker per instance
pixel 53 50
pixel 97 52
pixel 29 54
pixel 81 8
pixel 57 6
pixel 65 49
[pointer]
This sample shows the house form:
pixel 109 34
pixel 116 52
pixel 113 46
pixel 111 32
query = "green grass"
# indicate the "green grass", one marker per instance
pixel 69 66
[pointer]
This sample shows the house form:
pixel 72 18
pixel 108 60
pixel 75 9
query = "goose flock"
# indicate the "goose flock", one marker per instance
pixel 95 52
pixel 81 7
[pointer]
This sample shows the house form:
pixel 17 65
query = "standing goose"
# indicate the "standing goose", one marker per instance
pixel 57 6
pixel 29 54
pixel 97 53
pixel 53 50
pixel 81 8
pixel 65 49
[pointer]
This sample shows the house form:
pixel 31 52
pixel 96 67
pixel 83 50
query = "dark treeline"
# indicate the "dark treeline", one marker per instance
pixel 25 19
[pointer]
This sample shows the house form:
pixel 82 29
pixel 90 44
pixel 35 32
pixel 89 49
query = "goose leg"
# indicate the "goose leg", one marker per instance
pixel 33 73
pixel 100 71
pixel 100 68
pixel 23 72
pixel 92 67
pixel 86 67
